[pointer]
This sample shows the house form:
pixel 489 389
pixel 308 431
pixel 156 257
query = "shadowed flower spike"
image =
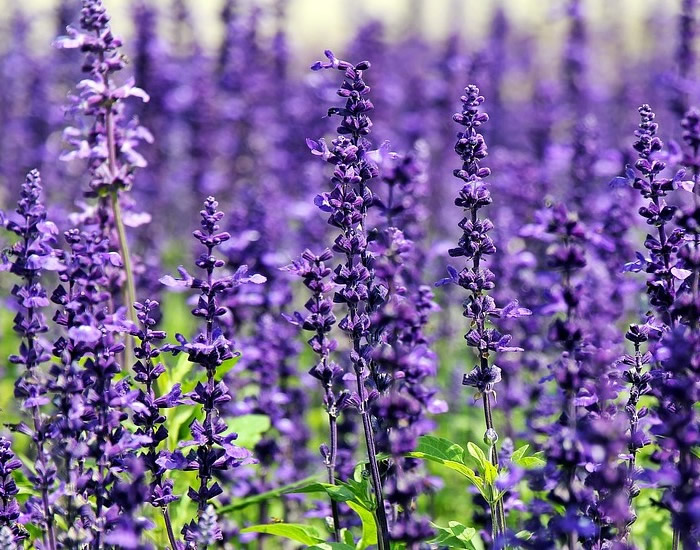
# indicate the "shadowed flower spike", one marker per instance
pixel 30 257
pixel 475 246
pixel 214 450
pixel 9 508
pixel 347 206
pixel 149 416
pixel 320 320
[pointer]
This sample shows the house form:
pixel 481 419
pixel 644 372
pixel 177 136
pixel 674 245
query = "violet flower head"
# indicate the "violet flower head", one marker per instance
pixel 149 417
pixel 126 530
pixel 30 256
pixel 320 321
pixel 347 206
pixel 657 213
pixel 213 449
pixel 110 146
pixel 475 245
pixel 9 508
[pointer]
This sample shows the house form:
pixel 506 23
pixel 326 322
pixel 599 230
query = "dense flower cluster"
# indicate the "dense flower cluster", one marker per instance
pixel 142 411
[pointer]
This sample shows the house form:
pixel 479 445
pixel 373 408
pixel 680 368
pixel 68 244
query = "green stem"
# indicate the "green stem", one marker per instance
pixel 130 290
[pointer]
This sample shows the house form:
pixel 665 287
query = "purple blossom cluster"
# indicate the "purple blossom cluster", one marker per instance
pixel 305 378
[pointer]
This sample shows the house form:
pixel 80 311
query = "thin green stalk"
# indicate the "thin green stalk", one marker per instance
pixel 130 289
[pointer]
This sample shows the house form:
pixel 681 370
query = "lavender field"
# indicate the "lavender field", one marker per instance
pixel 418 292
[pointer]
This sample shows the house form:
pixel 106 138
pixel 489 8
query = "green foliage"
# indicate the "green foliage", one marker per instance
pixel 305 534
pixel 242 503
pixel 455 535
pixel 358 492
pixel 249 427
pixel 533 461
pixel 369 526
pixel 449 454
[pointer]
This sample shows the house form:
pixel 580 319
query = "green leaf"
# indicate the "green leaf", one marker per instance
pixel 361 490
pixel 331 546
pixel 534 461
pixel 519 453
pixel 369 526
pixel 524 535
pixel 261 497
pixel 305 534
pixel 249 427
pixel 477 454
pixel 339 493
pixel 226 366
pixel 24 486
pixel 490 473
pixel 440 448
pixel 347 537
pixel 457 466
pixel 455 535
pixel 351 490
pixel 180 416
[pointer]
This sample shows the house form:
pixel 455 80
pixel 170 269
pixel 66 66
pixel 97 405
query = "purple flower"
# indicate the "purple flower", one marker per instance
pixel 475 245
pixel 214 450
pixel 347 206
pixel 9 508
pixel 30 256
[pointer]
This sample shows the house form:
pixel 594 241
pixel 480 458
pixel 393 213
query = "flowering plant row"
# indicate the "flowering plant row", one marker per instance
pixel 317 307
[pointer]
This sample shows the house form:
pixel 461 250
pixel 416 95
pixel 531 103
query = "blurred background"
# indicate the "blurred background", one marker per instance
pixel 315 25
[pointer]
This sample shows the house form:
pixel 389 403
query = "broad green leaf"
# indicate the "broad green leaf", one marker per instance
pixel 362 491
pixel 458 467
pixel 369 526
pixel 305 534
pixel 534 461
pixel 455 535
pixel 524 535
pixel 331 546
pixel 180 416
pixel 226 366
pixel 490 473
pixel 249 427
pixel 347 537
pixel 440 448
pixel 24 486
pixel 261 497
pixel 338 493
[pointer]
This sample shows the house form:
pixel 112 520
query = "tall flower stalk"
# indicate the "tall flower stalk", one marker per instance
pixel 109 145
pixel 664 270
pixel 212 449
pixel 320 320
pixel 661 286
pixel 347 206
pixel 149 418
pixel 474 245
pixel 30 256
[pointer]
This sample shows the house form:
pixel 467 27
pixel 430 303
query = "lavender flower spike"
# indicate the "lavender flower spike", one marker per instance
pixel 347 207
pixel 31 255
pixel 320 320
pixel 213 449
pixel 149 418
pixel 110 146
pixel 474 245
pixel 12 531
